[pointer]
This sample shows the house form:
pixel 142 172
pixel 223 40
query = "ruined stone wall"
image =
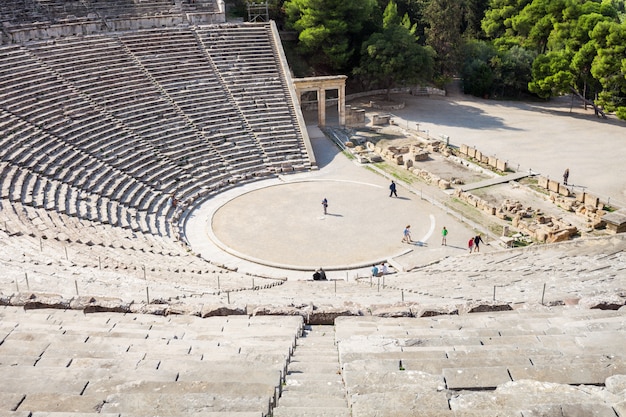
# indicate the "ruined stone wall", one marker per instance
pixel 491 161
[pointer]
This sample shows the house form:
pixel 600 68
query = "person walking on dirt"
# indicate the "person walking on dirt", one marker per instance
pixel 444 234
pixel 565 176
pixel 392 189
pixel 407 235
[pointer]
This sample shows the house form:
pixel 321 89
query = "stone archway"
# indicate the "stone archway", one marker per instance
pixel 320 85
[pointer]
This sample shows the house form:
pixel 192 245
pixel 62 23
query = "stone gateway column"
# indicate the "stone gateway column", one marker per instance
pixel 320 85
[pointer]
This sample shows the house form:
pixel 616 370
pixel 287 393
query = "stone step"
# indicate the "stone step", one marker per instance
pixel 328 389
pixel 314 400
pixel 314 385
pixel 310 412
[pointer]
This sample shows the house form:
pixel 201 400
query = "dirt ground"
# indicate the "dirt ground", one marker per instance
pixel 467 172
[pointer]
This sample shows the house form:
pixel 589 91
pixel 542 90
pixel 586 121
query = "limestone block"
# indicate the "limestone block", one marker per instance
pixel 409 164
pixel 616 384
pixel 391 311
pixel 184 309
pixel 444 184
pixel 478 155
pixel 403 150
pixel 541 235
pixel 378 150
pixel 501 165
pixel 211 310
pixel 99 304
pixel 421 156
pixel 349 144
pixel 435 310
pixel 489 209
pixel 33 300
pixel 553 186
pixel 603 302
pixel 464 149
pixel 399 159
pixel 479 377
pixel 484 306
pixel 142 308
pixel 328 314
pixel 542 182
pixel 560 236
pixel 591 200
pixel 471 152
pixel 493 161
pixel 269 310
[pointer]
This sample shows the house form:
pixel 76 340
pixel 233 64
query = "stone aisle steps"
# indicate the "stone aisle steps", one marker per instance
pixel 314 385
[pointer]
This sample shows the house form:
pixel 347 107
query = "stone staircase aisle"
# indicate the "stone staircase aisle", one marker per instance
pixel 314 385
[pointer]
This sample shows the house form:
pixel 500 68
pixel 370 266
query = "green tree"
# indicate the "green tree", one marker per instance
pixel 394 56
pixel 329 31
pixel 609 65
pixel 443 33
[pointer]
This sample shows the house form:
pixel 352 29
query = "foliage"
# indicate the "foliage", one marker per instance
pixel 329 30
pixel 579 45
pixel 393 55
pixel 488 71
pixel 445 39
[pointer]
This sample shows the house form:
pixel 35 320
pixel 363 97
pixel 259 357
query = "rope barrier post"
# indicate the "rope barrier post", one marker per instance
pixel 99 263
pixel 17 286
pixel 76 286
pixel 543 293
pixel 40 245
pixel 494 293
pixel 335 287
pixel 228 296
pixel 27 284
pixel 403 296
pixel 66 257
pixel 147 295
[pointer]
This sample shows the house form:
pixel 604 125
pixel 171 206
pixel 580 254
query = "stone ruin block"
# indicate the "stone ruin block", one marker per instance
pixel 493 161
pixel 399 159
pixel 464 149
pixel 564 191
pixel 485 159
pixel 403 150
pixel 370 145
pixel 444 184
pixel 478 155
pixel 471 152
pixel 615 221
pixel 378 119
pixel 542 182
pixel 421 156
pixel 553 186
pixel 349 144
pixel 591 200
pixel 409 164
pixel 501 165
pixel 580 197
